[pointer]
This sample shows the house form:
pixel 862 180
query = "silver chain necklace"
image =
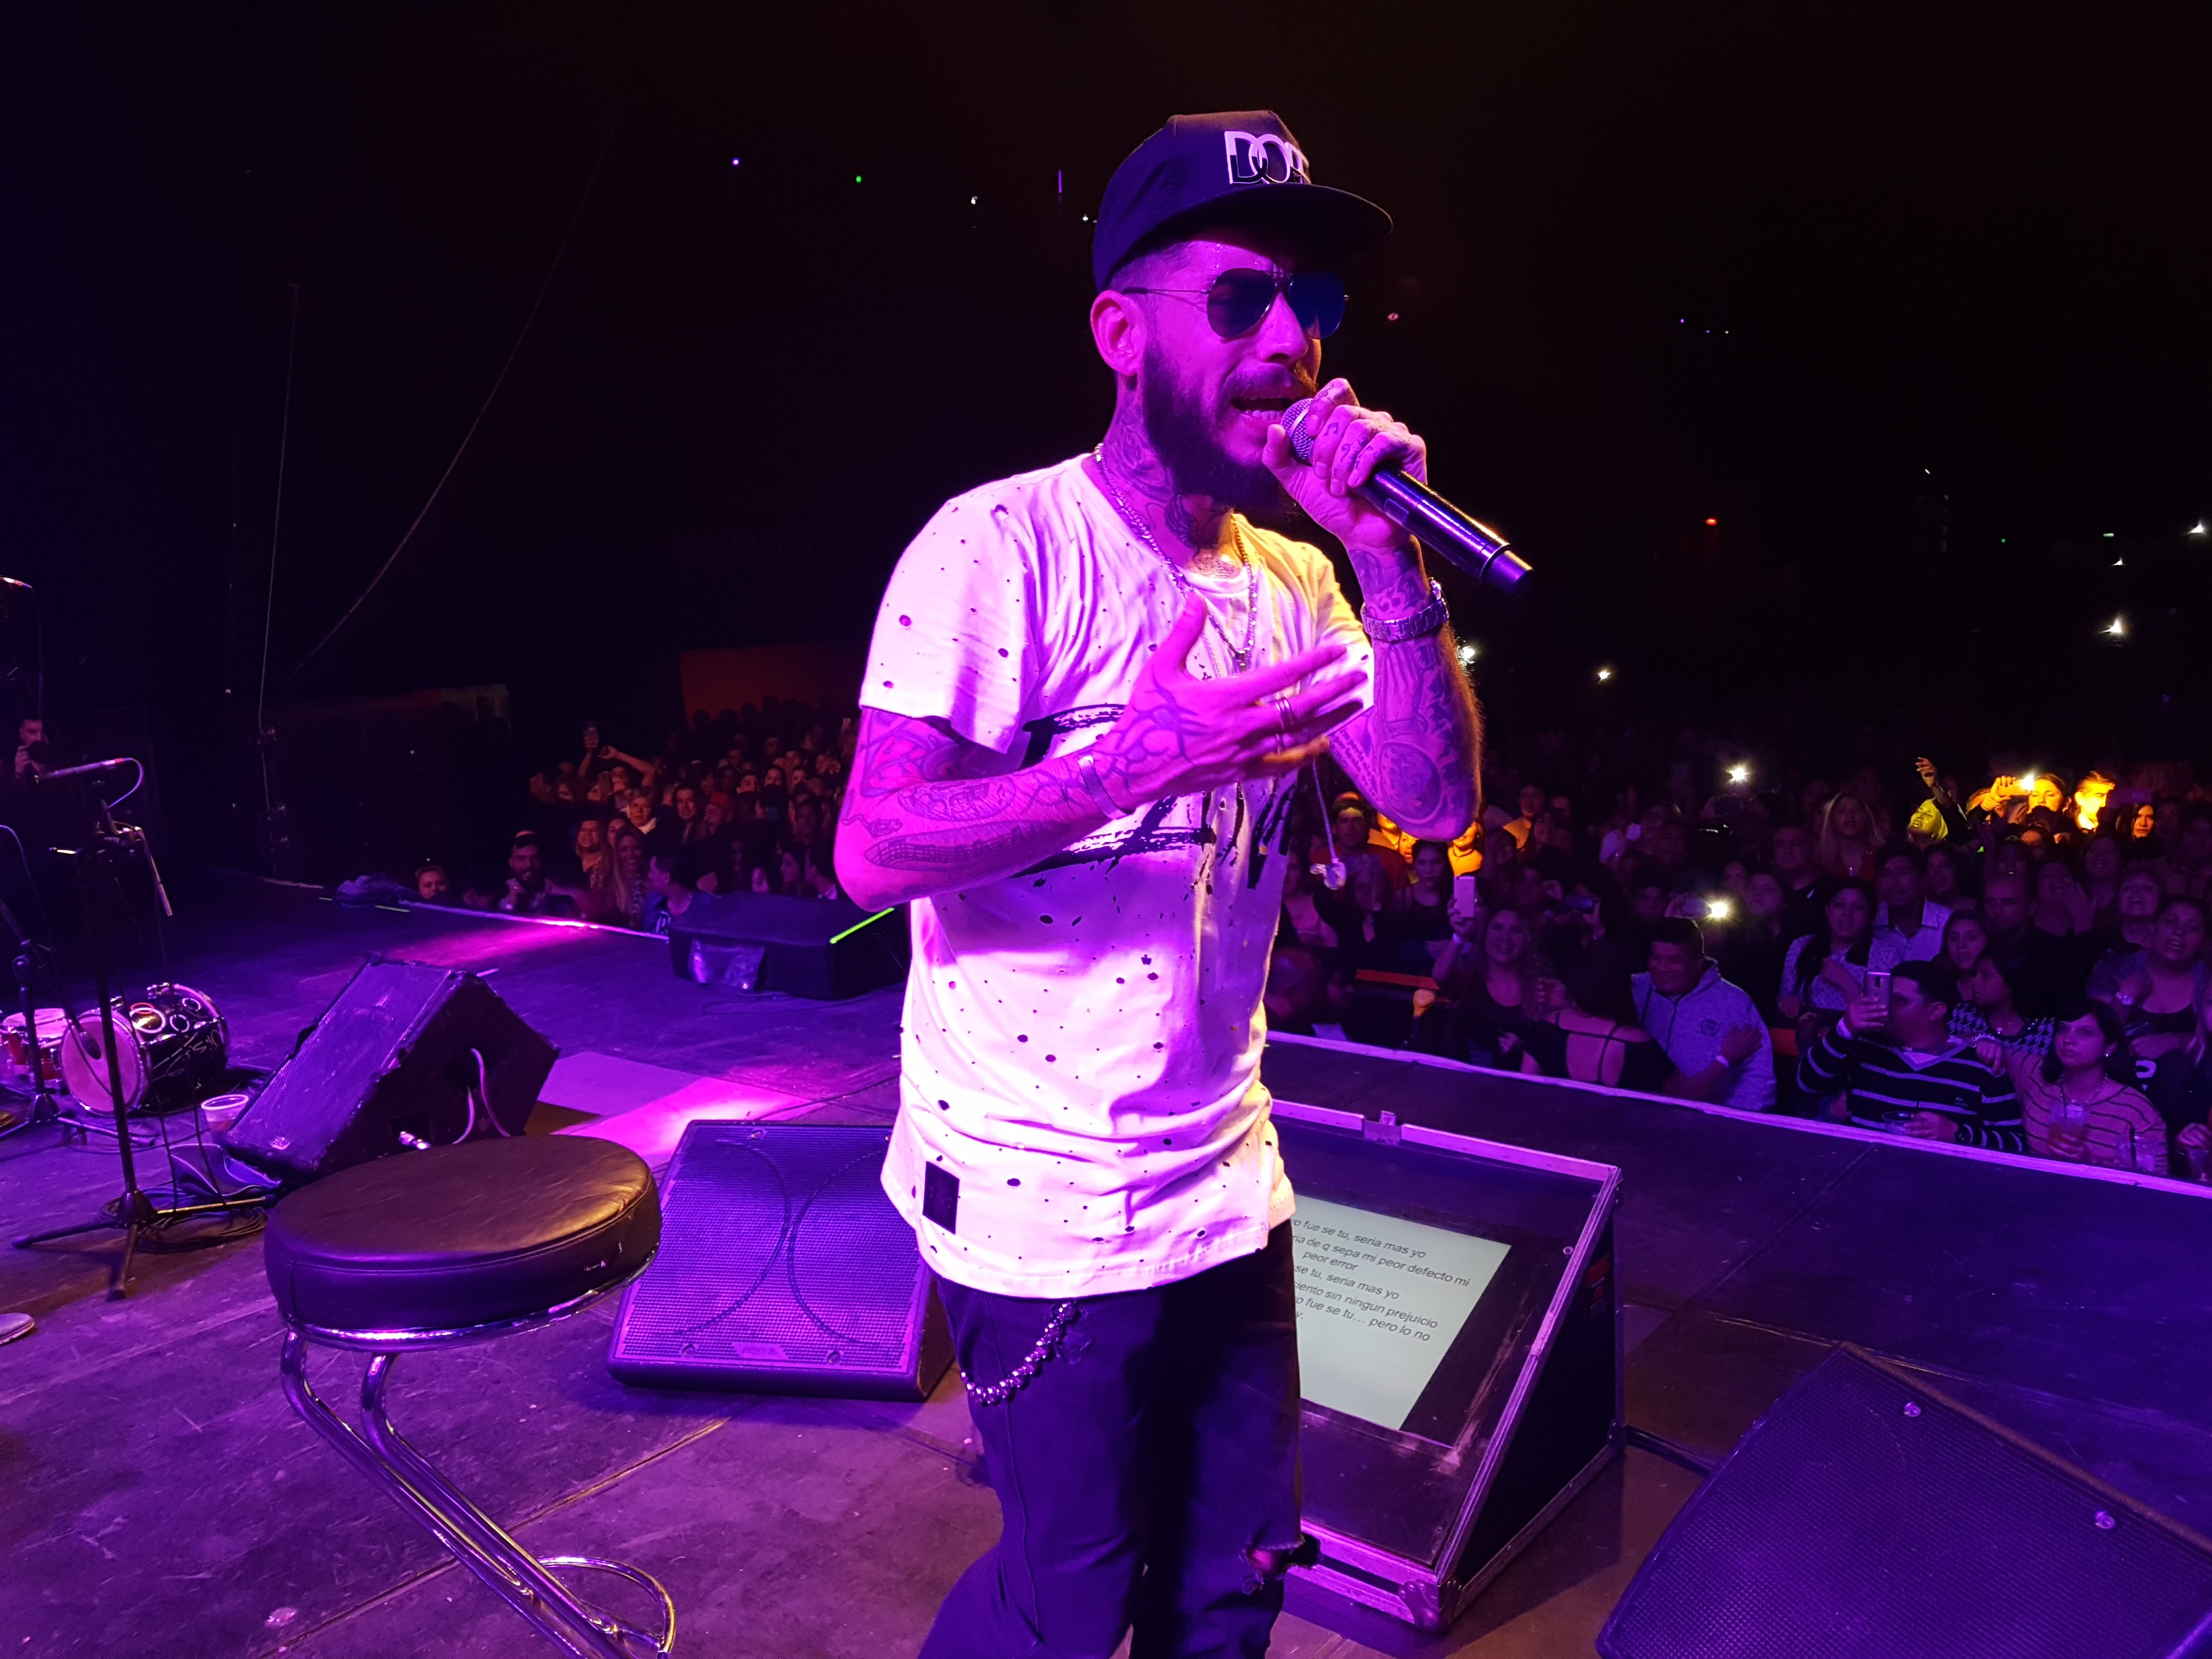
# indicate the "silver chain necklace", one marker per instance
pixel 1239 660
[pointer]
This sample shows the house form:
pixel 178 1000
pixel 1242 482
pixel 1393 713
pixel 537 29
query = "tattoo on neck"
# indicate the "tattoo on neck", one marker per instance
pixel 1134 467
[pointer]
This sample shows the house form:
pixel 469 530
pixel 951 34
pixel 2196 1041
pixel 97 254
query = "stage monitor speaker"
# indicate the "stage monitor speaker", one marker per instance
pixel 1459 1346
pixel 826 949
pixel 783 1269
pixel 396 1053
pixel 1866 1517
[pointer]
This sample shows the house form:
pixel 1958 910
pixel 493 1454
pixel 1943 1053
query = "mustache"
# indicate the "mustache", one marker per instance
pixel 1293 383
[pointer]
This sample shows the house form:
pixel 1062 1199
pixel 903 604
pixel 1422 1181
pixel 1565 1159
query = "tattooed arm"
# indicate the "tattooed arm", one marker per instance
pixel 928 811
pixel 1416 752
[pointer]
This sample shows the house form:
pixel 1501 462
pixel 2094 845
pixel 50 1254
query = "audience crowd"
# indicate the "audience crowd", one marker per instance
pixel 2021 966
pixel 742 803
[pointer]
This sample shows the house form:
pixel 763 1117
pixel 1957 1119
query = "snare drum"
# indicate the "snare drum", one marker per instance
pixel 52 1023
pixel 171 1044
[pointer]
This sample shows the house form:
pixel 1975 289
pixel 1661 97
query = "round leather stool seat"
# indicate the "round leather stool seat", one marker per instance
pixel 482 1233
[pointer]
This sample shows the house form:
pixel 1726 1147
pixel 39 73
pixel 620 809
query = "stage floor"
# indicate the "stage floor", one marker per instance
pixel 158 1497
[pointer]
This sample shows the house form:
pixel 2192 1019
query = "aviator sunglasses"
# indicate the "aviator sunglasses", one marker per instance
pixel 1238 301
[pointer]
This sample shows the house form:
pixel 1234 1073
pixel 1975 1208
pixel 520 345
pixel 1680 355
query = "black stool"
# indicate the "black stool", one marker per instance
pixel 459 1244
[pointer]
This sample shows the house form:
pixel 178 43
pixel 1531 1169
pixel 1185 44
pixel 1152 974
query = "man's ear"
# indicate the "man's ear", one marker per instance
pixel 1117 329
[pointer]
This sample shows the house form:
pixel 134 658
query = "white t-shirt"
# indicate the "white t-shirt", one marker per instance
pixel 1081 1047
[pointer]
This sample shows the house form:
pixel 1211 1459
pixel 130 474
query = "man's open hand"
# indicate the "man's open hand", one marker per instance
pixel 1179 734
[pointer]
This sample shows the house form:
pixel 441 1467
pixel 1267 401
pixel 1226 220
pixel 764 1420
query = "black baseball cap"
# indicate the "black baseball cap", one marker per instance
pixel 1240 167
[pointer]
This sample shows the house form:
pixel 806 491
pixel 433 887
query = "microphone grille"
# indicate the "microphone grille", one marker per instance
pixel 1296 430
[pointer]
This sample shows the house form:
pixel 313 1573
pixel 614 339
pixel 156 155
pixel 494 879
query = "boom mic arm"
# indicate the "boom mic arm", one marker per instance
pixel 89 769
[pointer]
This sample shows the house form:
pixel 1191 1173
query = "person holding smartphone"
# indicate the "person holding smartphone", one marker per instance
pixel 1421 924
pixel 34 754
pixel 1490 991
pixel 1823 970
pixel 1750 949
pixel 1897 1068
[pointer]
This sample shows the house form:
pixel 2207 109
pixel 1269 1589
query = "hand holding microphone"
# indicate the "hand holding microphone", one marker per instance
pixel 1362 477
pixel 1326 447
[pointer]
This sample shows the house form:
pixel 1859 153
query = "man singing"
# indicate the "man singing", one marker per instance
pixel 1090 696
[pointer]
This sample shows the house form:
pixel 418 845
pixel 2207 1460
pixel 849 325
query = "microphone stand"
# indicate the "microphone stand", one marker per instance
pixel 136 1213
pixel 45 1108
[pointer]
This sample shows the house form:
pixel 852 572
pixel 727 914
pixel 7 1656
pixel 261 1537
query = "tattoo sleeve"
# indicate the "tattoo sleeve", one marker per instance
pixel 927 812
pixel 1417 753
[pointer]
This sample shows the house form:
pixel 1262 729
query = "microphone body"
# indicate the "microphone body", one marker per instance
pixel 89 769
pixel 1460 536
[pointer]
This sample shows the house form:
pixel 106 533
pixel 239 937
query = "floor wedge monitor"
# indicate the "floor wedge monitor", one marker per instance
pixel 1459 1352
pixel 410 1054
pixel 783 1269
pixel 1867 1517
pixel 825 949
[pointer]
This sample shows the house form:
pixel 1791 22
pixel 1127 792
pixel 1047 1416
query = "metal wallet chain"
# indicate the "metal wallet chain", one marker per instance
pixel 1046 1346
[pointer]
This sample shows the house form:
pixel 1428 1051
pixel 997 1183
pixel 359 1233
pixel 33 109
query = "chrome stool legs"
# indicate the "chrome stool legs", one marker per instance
pixel 520 1578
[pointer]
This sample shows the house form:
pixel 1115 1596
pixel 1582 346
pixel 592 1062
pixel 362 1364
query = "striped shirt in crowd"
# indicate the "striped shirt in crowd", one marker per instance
pixel 1884 1083
pixel 2122 1129
pixel 2033 1039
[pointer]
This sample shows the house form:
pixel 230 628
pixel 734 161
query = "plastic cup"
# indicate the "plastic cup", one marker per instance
pixel 2069 1131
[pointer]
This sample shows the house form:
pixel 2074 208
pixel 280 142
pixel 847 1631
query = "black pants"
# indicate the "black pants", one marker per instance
pixel 1137 1468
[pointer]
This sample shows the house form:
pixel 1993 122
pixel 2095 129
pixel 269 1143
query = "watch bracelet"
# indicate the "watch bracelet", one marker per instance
pixel 1395 630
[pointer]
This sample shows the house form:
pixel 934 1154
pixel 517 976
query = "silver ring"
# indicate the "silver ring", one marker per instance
pixel 1284 714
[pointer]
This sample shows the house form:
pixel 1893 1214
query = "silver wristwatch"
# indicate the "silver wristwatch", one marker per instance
pixel 1394 630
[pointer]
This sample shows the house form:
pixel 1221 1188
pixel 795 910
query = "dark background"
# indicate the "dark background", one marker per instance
pixel 1913 305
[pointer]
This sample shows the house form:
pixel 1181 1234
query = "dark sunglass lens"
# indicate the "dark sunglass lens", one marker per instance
pixel 1317 301
pixel 1237 300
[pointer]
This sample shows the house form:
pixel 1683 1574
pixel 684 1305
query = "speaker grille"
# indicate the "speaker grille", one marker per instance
pixel 1865 1516
pixel 779 1248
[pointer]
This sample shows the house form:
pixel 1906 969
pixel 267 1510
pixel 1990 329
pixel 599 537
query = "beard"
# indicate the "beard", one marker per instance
pixel 1182 434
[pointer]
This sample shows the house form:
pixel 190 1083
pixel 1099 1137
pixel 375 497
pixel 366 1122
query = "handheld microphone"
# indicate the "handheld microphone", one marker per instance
pixel 89 769
pixel 1467 543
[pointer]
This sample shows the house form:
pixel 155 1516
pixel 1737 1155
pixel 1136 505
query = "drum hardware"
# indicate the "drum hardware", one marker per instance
pixel 173 1043
pixel 134 1213
pixel 46 1048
